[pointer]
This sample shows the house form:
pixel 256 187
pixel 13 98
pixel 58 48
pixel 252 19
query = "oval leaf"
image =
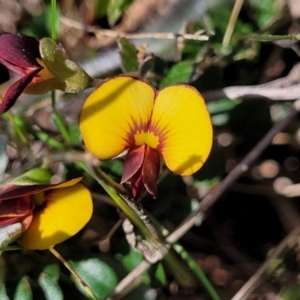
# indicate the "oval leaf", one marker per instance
pixel 32 177
pixel 3 295
pixel 48 282
pixel 23 291
pixel 128 54
pixel 179 73
pixel 99 276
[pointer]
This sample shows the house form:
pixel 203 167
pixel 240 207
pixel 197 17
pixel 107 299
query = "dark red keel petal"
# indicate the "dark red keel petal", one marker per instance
pixel 18 51
pixel 150 170
pixel 15 90
pixel 141 169
pixel 137 185
pixel 133 162
pixel 14 210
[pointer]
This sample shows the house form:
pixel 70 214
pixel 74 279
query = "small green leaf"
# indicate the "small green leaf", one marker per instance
pixel 99 276
pixel 128 55
pixel 69 76
pixel 179 73
pixel 23 291
pixel 115 9
pixel 48 282
pixel 52 271
pixel 34 176
pixel 160 275
pixel 131 259
pixel 3 295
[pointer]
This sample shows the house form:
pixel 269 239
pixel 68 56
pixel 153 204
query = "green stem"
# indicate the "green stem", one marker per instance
pixel 57 119
pixel 59 122
pixel 18 128
pixel 53 20
pixel 11 248
pixel 272 38
pixel 197 271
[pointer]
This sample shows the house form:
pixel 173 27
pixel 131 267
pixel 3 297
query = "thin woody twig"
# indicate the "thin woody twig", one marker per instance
pixel 74 273
pixel 233 17
pixel 211 198
pixel 198 36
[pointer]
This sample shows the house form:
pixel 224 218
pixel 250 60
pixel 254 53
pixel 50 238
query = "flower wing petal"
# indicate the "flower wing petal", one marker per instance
pixel 113 112
pixel 67 210
pixel 181 117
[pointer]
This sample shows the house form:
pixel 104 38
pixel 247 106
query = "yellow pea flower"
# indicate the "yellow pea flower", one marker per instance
pixel 49 213
pixel 128 113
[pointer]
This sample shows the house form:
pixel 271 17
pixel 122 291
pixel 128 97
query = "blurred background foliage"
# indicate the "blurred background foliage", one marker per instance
pixel 240 231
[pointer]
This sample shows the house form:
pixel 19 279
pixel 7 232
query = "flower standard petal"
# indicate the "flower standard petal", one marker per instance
pixel 112 114
pixel 181 118
pixel 65 211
